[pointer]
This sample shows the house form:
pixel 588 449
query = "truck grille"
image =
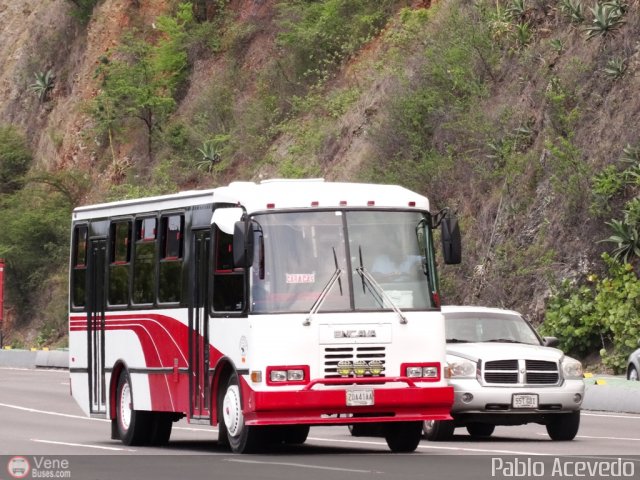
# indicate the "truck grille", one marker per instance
pixel 333 355
pixel 508 372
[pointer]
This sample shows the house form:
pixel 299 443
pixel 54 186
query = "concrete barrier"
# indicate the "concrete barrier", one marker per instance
pixel 34 358
pixel 611 394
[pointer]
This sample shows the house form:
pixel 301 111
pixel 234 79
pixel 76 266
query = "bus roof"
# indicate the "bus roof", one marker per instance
pixel 278 194
pixel 316 193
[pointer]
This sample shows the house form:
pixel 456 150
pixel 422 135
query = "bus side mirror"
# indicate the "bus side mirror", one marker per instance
pixel 451 240
pixel 242 244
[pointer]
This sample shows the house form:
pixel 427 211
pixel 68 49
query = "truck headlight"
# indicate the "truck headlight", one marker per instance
pixel 461 367
pixel 571 368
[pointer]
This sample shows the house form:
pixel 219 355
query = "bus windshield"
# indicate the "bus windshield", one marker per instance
pixel 367 260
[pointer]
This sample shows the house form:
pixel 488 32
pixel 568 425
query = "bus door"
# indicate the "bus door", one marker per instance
pixel 199 388
pixel 96 323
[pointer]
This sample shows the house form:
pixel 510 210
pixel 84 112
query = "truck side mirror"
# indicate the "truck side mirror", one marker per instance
pixel 451 240
pixel 242 244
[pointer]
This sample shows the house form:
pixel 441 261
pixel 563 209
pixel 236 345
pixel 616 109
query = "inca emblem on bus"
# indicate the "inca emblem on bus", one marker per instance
pixel 354 333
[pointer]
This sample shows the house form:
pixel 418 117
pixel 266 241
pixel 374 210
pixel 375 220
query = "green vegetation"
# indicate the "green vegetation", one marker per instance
pixel 84 8
pixel 43 84
pixel 15 158
pixel 607 18
pixel 599 317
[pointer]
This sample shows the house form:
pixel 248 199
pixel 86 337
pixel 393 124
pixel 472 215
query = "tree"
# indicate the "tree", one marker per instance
pixel 132 90
pixel 139 79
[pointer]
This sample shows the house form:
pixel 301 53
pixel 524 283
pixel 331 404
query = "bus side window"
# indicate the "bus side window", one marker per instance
pixel 119 261
pixel 79 266
pixel 144 261
pixel 171 254
pixel 228 282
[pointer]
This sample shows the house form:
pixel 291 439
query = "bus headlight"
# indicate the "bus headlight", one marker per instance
pixel 427 371
pixel 287 375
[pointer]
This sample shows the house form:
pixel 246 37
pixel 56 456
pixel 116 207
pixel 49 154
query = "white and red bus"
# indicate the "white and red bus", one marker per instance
pixel 261 308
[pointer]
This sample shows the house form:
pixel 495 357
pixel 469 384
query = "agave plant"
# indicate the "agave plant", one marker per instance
pixel 43 84
pixel 557 45
pixel 573 9
pixel 627 239
pixel 606 19
pixel 523 34
pixel 210 156
pixel 517 10
pixel 615 68
pixel 631 154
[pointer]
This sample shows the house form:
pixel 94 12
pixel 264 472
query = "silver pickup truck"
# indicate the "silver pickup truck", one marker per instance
pixel 504 373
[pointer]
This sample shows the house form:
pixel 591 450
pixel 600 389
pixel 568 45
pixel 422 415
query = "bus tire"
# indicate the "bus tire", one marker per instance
pixel 295 434
pixel 134 426
pixel 161 424
pixel 242 438
pixel 403 437
pixel 439 430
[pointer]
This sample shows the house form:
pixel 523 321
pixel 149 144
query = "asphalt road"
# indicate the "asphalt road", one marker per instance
pixel 40 422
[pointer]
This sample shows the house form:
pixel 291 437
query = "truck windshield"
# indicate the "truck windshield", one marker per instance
pixel 298 253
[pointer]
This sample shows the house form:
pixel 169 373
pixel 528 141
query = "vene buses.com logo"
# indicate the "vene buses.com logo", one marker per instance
pixel 18 467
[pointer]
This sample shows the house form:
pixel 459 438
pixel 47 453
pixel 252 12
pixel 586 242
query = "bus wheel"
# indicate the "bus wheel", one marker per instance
pixel 242 438
pixel 134 426
pixel 403 437
pixel 295 434
pixel 161 424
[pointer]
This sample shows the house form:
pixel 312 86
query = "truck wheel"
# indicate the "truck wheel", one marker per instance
pixel 403 437
pixel 439 430
pixel 242 438
pixel 134 426
pixel 564 426
pixel 480 429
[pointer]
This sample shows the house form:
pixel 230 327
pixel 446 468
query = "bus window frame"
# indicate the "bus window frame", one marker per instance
pixel 138 227
pixel 76 266
pixel 215 272
pixel 180 259
pixel 111 262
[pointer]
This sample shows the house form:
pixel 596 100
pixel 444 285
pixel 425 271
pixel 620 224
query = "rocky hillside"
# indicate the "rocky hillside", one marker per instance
pixel 514 113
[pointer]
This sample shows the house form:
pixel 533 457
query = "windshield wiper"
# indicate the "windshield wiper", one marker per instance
pixel 378 293
pixel 325 291
pixel 456 340
pixel 503 340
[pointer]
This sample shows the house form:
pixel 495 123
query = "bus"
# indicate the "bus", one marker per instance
pixel 262 308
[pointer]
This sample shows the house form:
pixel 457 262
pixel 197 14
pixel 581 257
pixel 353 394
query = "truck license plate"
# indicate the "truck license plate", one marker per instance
pixel 525 400
pixel 360 397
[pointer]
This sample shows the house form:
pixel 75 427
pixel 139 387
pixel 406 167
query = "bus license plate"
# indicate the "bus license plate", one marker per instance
pixel 359 398
pixel 525 400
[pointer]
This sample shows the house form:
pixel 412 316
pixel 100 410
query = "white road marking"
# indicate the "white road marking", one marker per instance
pixel 427 447
pixel 57 414
pixel 82 445
pixel 610 415
pixel 300 465
pixel 602 438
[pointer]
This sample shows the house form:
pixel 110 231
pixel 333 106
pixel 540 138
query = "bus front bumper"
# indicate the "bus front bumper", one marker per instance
pixel 329 406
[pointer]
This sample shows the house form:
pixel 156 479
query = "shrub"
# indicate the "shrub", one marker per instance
pixel 600 316
pixel 15 158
